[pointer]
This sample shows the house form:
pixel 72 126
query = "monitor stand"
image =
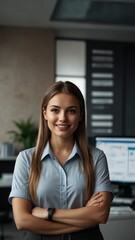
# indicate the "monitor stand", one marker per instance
pixel 125 191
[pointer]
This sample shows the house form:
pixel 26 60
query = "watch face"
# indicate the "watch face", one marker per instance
pixel 50 213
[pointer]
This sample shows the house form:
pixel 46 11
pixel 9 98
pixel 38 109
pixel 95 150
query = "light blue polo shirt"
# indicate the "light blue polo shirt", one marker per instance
pixel 59 186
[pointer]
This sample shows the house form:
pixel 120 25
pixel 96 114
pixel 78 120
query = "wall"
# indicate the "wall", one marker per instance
pixel 26 70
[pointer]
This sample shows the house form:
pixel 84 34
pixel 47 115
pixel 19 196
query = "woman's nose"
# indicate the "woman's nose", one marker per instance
pixel 62 116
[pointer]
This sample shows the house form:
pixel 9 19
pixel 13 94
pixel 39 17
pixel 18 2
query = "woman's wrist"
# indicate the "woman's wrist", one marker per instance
pixel 40 212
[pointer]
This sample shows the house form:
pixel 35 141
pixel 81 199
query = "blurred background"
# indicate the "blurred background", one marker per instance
pixel 88 42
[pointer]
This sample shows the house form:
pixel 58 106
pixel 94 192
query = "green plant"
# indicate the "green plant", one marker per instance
pixel 26 133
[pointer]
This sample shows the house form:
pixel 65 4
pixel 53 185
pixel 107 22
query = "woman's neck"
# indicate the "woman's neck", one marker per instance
pixel 61 148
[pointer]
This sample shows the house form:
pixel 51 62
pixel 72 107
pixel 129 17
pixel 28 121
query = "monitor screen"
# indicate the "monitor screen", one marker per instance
pixel 120 153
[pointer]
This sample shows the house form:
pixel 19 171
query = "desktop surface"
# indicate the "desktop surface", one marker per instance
pixel 121 212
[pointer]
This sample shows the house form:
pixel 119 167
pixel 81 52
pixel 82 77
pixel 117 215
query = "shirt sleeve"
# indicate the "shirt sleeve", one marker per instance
pixel 102 181
pixel 19 186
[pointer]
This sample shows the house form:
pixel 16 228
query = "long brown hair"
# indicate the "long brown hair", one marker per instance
pixel 80 136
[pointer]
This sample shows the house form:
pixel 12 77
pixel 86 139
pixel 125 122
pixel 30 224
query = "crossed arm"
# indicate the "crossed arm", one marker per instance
pixel 95 212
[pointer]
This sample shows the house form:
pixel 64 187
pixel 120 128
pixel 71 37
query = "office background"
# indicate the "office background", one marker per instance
pixel 28 66
pixel 27 57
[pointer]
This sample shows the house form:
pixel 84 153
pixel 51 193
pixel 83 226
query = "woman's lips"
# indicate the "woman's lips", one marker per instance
pixel 62 126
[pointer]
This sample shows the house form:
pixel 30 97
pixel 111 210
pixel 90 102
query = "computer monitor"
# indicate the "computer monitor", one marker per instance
pixel 120 153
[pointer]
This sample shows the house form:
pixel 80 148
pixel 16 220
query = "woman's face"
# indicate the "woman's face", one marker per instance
pixel 63 115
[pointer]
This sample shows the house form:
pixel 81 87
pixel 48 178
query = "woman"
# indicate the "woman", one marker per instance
pixel 61 188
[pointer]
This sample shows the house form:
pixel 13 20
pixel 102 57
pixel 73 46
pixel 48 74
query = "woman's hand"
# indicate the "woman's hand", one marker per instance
pixel 40 212
pixel 95 200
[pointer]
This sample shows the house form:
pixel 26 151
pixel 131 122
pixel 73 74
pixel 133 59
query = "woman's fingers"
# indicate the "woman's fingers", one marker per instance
pixel 95 200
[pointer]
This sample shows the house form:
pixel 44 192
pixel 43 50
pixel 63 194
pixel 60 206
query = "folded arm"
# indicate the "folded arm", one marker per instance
pixel 24 220
pixel 64 220
pixel 95 212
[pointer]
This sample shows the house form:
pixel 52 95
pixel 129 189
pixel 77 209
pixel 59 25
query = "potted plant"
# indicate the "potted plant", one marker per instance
pixel 25 134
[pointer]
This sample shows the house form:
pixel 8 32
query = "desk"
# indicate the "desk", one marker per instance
pixel 119 229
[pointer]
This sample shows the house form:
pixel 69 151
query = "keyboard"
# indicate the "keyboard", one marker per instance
pixel 122 201
pixel 122 211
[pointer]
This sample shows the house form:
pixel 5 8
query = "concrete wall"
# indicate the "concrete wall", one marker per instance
pixel 26 70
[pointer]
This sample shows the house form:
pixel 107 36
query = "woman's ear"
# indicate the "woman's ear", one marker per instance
pixel 44 114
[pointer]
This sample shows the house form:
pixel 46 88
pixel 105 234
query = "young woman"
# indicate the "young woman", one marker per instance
pixel 61 188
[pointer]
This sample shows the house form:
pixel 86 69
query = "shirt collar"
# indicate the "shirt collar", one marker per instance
pixel 47 151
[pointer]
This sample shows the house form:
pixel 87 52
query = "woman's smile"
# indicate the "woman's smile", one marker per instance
pixel 62 127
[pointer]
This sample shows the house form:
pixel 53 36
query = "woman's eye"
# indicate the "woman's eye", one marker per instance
pixel 55 110
pixel 72 111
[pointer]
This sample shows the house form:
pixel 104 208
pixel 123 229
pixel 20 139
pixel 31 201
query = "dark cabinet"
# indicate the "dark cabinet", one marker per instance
pixel 110 88
pixel 129 110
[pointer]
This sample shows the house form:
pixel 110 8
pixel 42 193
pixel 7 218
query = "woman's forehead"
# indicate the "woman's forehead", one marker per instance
pixel 64 98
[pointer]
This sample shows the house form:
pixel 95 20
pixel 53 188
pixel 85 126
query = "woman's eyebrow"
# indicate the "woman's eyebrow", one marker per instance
pixel 72 107
pixel 60 107
pixel 55 106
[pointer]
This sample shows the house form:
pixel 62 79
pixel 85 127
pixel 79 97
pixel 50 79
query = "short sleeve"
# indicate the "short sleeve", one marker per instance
pixel 102 181
pixel 19 186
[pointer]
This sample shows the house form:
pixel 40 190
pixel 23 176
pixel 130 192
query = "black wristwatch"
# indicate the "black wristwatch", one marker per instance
pixel 50 213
